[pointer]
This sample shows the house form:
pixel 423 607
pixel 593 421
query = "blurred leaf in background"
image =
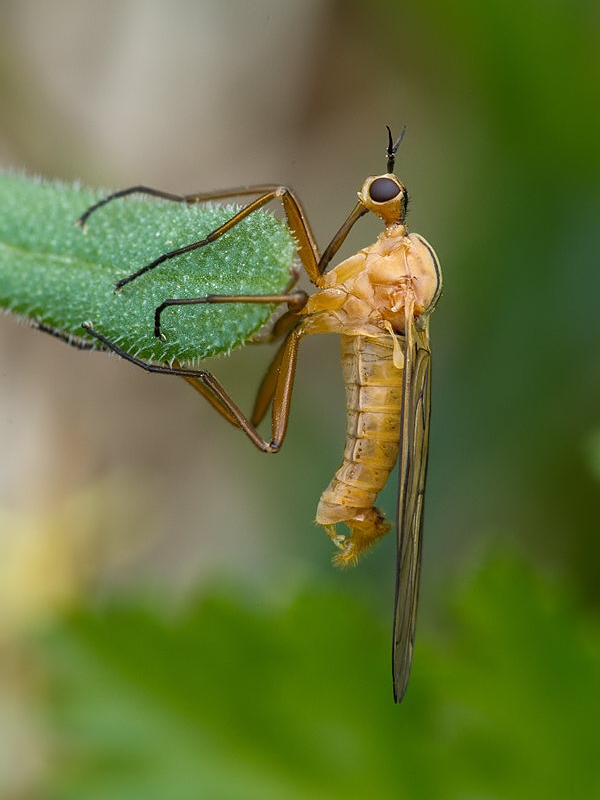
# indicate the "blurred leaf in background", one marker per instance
pixel 237 698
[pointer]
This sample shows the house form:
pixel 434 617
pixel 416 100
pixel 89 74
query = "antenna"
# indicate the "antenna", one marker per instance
pixel 392 147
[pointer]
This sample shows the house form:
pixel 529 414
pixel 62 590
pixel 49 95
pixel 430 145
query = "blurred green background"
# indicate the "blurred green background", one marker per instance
pixel 170 625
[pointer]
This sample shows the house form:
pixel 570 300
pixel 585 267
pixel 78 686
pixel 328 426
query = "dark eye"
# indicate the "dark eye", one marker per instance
pixel 383 189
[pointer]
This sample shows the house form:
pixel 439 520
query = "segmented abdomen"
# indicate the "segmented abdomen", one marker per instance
pixel 373 402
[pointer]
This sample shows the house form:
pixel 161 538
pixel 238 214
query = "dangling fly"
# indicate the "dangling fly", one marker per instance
pixel 379 300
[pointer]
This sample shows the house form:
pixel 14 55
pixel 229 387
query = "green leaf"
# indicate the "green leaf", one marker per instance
pixel 60 275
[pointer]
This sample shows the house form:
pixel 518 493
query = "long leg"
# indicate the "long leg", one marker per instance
pixel 211 389
pixel 295 302
pixel 307 246
pixel 308 252
pixel 268 385
pixel 69 338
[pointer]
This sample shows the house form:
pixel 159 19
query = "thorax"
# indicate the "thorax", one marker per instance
pixel 371 289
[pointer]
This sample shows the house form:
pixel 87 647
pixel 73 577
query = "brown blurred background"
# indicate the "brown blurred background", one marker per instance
pixel 191 96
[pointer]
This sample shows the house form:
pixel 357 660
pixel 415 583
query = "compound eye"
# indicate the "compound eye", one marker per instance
pixel 383 189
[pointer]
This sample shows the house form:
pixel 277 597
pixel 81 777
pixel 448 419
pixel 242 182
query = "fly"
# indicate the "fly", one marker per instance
pixel 379 300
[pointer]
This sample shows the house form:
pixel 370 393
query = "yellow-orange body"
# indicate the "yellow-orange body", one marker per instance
pixel 371 298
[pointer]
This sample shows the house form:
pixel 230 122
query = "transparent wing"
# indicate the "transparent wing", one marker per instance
pixel 412 470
